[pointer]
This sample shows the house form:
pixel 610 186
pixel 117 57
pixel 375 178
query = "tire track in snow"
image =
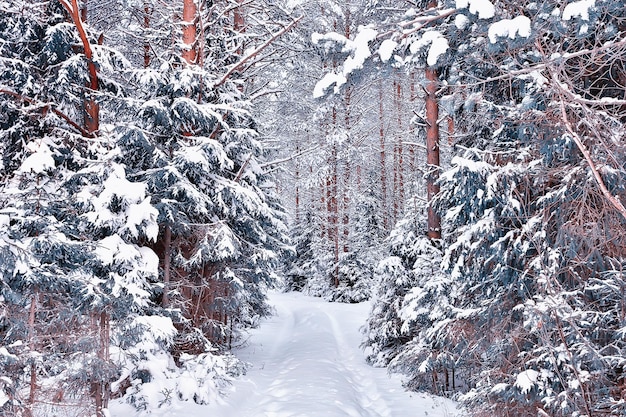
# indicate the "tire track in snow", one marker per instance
pixel 306 362
pixel 371 403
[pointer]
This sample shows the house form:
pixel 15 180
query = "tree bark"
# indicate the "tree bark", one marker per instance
pixel 33 367
pixel 190 11
pixel 147 13
pixel 239 25
pixel 91 108
pixel 345 209
pixel 383 158
pixel 167 254
pixel 399 199
pixel 432 151
pixel 297 180
pixel 102 387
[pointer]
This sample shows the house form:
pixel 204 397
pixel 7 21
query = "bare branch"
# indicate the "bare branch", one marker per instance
pixel 287 159
pixel 254 53
pixel 581 146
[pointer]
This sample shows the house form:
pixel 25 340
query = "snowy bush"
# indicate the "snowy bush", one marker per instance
pixel 153 378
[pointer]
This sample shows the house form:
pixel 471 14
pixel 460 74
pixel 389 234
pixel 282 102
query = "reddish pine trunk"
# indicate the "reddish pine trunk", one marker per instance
pixel 146 25
pixel 33 368
pixel 346 189
pixel 400 151
pixel 167 242
pixel 413 95
pixel 190 53
pixel 333 228
pixel 432 152
pixel 100 389
pixel 297 181
pixel 239 24
pixel 91 109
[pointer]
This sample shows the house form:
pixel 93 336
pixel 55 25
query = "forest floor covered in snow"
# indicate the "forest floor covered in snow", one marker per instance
pixel 305 361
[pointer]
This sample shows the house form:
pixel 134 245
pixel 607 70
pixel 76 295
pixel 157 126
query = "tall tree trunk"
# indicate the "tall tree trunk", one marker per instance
pixel 345 209
pixel 147 14
pixel 32 346
pixel 190 11
pixel 333 226
pixel 102 392
pixel 334 204
pixel 383 158
pixel 91 108
pixel 297 180
pixel 412 133
pixel 239 25
pixel 432 151
pixel 398 153
pixel 347 166
pixel 167 255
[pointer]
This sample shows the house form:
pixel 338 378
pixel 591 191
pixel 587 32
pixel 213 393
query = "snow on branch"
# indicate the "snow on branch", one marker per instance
pixel 360 51
pixel 257 51
pixel 45 107
pixel 483 8
pixel 510 28
pixel 578 9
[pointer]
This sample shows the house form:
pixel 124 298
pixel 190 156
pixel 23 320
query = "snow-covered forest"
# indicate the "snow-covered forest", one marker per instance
pixel 458 165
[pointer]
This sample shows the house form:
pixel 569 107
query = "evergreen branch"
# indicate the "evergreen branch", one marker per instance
pixel 47 106
pixel 257 51
pixel 563 92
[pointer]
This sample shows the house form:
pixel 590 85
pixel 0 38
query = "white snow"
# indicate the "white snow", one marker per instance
pixel 386 49
pixel 327 81
pixel 483 8
pixel 461 21
pixel 359 49
pixel 526 380
pixel 438 46
pixel 578 9
pixel 4 398
pixel 510 28
pixel 161 328
pixel 39 160
pixel 306 361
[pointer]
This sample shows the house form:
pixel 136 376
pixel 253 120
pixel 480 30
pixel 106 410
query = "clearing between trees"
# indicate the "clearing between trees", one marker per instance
pixel 305 360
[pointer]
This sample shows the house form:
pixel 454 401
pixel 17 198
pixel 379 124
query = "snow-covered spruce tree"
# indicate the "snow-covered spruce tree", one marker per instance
pixel 302 267
pixel 197 148
pixel 534 250
pixel 364 246
pixel 411 261
pixel 41 254
pixel 522 265
pixel 58 290
pixel 78 206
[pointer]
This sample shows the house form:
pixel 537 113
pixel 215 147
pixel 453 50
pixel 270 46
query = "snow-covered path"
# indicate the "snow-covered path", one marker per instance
pixel 306 362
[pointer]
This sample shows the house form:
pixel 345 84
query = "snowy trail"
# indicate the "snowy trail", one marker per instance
pixel 306 362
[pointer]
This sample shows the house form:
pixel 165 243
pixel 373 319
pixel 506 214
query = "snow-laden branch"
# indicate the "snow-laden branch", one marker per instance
pixel 47 106
pixel 596 174
pixel 258 50
pixel 555 60
pixel 287 159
